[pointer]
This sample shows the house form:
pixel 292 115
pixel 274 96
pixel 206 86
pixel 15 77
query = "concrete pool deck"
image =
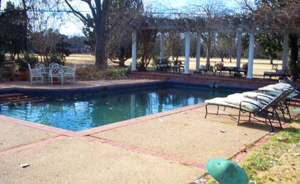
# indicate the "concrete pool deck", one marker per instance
pixel 169 147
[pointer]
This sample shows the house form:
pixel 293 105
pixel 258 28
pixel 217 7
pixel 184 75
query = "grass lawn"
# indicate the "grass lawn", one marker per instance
pixel 276 161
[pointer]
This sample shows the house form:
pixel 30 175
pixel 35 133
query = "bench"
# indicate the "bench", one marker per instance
pixel 204 69
pixel 162 64
pixel 220 67
pixel 277 73
pixel 229 69
pixel 236 70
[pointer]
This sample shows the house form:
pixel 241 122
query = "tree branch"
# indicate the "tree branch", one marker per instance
pixel 92 8
pixel 77 13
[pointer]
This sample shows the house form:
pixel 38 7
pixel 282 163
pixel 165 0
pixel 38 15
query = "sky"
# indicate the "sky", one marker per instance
pixel 72 26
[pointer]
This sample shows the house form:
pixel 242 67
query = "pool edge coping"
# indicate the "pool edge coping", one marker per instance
pixel 101 88
pixel 98 129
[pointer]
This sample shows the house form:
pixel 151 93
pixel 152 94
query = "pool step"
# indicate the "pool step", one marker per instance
pixel 16 98
pixel 12 95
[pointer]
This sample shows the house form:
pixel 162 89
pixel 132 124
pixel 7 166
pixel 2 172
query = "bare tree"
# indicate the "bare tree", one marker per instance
pixel 119 46
pixel 246 6
pixel 210 11
pixel 104 18
pixel 175 43
pixel 36 16
pixel 45 41
pixel 146 47
pixel 278 16
pixel 223 44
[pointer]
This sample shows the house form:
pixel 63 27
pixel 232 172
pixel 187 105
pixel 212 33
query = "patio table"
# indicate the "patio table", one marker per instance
pixel 45 73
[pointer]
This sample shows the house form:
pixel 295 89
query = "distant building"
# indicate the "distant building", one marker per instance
pixel 79 49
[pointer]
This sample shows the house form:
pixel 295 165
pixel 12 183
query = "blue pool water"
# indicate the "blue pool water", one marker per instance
pixel 83 112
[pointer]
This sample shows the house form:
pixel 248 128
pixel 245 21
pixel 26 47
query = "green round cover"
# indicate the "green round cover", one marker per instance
pixel 226 172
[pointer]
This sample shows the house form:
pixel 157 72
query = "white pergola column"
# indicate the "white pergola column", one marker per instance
pixel 187 52
pixel 239 50
pixel 251 55
pixel 162 45
pixel 198 52
pixel 134 43
pixel 285 50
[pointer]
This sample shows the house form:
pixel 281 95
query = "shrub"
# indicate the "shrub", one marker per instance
pixel 121 72
pixel 55 58
pixel 88 73
pixel 25 60
pixel 8 71
pixel 30 59
pixel 141 67
pixel 92 73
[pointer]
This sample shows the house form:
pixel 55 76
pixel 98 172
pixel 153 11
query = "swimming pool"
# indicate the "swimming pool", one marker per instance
pixel 82 112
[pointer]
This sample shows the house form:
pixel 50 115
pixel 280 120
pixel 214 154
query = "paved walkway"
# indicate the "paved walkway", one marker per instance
pixel 169 147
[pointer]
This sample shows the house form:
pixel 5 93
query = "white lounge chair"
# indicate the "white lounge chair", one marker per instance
pixel 245 105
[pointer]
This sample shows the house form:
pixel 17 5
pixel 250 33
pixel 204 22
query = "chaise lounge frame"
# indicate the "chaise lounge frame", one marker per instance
pixel 268 111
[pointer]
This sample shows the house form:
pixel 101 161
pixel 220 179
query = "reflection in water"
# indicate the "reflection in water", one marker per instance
pixel 90 111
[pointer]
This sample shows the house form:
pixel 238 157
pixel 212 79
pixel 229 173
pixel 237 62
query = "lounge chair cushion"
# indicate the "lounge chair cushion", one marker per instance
pixel 267 88
pixel 275 87
pixel 247 103
pixel 282 86
pixel 235 95
pixel 216 101
pixel 234 100
pixel 258 96
pixel 277 93
pixel 219 101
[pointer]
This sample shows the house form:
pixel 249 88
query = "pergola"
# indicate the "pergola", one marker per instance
pixel 237 24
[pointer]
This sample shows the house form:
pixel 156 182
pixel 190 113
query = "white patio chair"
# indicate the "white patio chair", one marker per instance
pixel 70 73
pixel 42 67
pixel 56 71
pixel 36 75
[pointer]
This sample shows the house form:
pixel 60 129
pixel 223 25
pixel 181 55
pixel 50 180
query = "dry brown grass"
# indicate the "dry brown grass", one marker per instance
pixel 260 65
pixel 86 67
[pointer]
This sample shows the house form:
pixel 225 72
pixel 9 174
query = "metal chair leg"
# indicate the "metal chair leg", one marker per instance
pixel 205 111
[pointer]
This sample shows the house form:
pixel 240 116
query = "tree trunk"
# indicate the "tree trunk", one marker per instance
pixel 208 56
pixel 121 62
pixel 100 56
pixel 101 36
